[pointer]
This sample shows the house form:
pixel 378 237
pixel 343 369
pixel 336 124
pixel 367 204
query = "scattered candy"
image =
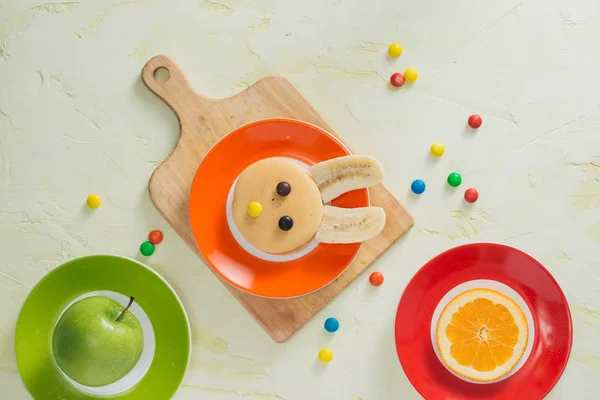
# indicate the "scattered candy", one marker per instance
pixel 283 188
pixel 332 325
pixel 471 195
pixel 411 75
pixel 395 50
pixel 286 223
pixel 147 249
pixel 397 79
pixel 454 179
pixel 417 186
pixel 437 149
pixel 475 121
pixel 94 201
pixel 254 209
pixel 325 355
pixel 155 237
pixel 376 278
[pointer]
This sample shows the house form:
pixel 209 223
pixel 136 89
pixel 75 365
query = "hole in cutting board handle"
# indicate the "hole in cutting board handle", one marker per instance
pixel 161 75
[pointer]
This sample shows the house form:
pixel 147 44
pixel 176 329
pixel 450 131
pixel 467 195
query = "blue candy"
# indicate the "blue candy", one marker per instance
pixel 332 325
pixel 418 186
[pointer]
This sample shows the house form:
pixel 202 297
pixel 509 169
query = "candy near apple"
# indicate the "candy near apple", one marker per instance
pixel 155 237
pixel 97 341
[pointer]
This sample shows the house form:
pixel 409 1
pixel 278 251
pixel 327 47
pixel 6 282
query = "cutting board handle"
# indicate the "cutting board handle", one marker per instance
pixel 174 89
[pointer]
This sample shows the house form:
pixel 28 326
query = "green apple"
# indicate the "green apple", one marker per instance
pixel 97 342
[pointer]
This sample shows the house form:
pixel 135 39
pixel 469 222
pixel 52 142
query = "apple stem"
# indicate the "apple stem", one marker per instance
pixel 125 310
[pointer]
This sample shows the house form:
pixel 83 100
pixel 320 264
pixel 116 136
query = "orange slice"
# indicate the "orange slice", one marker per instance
pixel 481 335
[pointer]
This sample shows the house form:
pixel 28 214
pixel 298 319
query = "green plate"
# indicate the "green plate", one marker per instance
pixel 167 337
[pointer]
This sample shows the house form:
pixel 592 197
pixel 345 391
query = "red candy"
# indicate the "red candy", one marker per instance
pixel 475 121
pixel 155 237
pixel 397 79
pixel 376 279
pixel 471 195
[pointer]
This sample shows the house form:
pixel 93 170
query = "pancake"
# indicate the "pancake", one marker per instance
pixel 303 204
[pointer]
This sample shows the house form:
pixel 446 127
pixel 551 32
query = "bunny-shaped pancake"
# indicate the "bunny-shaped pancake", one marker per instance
pixel 278 206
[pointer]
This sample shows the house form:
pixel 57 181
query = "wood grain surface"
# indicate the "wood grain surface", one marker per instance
pixel 203 121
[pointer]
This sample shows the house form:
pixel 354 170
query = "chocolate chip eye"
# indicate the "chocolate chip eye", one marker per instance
pixel 286 223
pixel 283 188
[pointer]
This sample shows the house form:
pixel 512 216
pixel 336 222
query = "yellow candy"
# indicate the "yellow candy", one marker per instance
pixel 254 209
pixel 411 75
pixel 325 355
pixel 395 50
pixel 437 149
pixel 94 201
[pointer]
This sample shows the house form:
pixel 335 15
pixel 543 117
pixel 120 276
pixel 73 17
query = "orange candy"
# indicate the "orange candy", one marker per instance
pixel 376 279
pixel 155 237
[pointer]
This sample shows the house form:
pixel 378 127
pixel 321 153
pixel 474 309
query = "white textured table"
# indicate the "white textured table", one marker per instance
pixel 75 119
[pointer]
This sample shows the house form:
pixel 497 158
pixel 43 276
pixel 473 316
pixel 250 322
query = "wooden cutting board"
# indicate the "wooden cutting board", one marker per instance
pixel 203 122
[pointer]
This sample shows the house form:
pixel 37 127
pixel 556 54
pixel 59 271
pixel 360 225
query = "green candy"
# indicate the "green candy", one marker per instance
pixel 147 249
pixel 454 179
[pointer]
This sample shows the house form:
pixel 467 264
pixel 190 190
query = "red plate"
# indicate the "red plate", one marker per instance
pixel 212 183
pixel 552 320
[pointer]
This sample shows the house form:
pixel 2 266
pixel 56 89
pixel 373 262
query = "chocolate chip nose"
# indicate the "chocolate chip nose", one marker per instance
pixel 286 223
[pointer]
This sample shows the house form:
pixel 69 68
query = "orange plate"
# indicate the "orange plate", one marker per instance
pixel 208 222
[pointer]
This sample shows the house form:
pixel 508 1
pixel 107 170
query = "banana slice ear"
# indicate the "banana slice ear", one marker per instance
pixel 343 174
pixel 350 225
